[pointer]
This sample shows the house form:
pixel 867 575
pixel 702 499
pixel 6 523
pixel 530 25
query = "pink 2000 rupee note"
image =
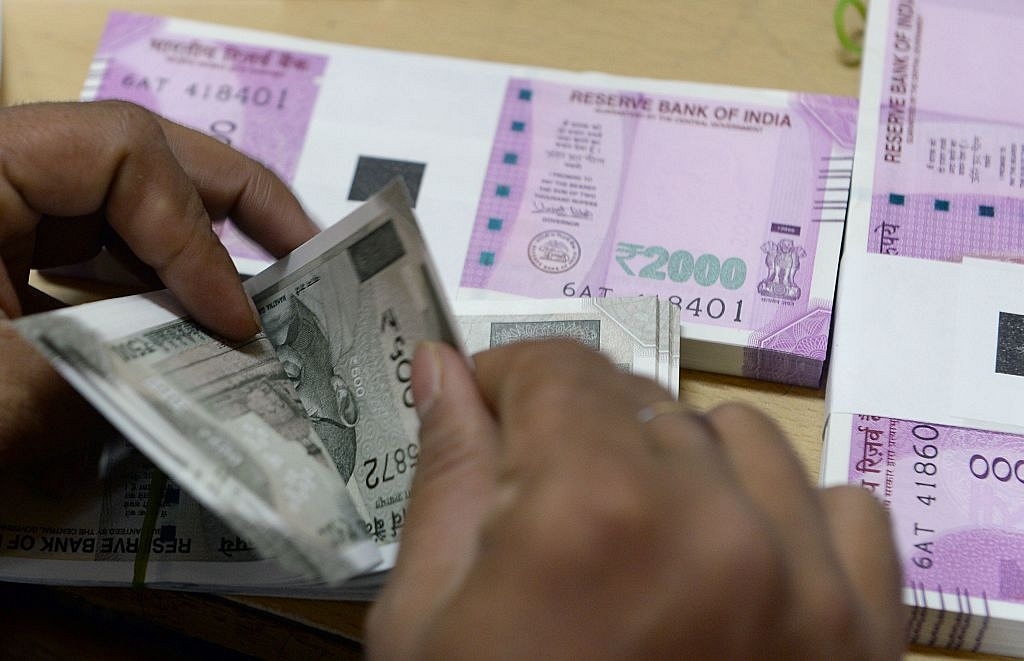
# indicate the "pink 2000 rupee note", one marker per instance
pixel 955 496
pixel 949 155
pixel 715 205
pixel 257 99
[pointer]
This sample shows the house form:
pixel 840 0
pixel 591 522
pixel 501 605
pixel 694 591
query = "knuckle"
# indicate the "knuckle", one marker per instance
pixel 261 183
pixel 134 121
pixel 620 510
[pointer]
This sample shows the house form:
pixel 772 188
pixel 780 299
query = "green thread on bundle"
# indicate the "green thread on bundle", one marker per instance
pixel 157 486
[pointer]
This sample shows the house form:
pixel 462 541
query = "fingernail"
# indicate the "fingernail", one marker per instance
pixel 426 377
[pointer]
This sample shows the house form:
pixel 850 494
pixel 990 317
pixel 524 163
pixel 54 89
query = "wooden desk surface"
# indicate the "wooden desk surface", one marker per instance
pixel 786 44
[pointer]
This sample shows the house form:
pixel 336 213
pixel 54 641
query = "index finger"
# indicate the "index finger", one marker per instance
pixel 72 159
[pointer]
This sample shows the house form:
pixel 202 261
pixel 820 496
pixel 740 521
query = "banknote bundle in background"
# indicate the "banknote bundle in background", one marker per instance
pixel 926 383
pixel 536 183
pixel 639 334
pixel 290 456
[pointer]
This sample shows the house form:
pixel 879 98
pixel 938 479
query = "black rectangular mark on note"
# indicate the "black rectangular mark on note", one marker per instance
pixel 1010 344
pixel 373 174
pixel 376 251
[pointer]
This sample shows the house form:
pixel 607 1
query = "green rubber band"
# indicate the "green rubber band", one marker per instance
pixel 839 18
pixel 157 486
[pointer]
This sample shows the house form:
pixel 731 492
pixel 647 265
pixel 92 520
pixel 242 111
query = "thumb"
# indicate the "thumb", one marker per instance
pixel 451 495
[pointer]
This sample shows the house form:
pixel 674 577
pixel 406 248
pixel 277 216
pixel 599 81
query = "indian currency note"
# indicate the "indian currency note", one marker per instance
pixel 277 435
pixel 80 521
pixel 936 186
pixel 67 523
pixel 255 97
pixel 706 175
pixel 947 154
pixel 222 419
pixel 630 331
pixel 345 318
pixel 923 371
pixel 954 494
pixel 730 209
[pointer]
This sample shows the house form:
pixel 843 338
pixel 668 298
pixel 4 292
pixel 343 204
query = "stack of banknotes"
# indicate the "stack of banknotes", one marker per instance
pixel 536 183
pixel 926 384
pixel 281 465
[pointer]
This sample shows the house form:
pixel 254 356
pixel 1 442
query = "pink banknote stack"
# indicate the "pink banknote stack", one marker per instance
pixel 926 383
pixel 726 202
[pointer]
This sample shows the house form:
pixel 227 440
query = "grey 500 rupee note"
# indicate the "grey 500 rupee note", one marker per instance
pixel 302 439
pixel 345 320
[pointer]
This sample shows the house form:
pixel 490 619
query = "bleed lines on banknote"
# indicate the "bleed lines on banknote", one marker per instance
pixel 833 197
pixel 925 624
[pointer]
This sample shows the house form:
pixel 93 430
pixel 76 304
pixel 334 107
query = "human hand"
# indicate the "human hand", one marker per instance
pixel 548 521
pixel 78 176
